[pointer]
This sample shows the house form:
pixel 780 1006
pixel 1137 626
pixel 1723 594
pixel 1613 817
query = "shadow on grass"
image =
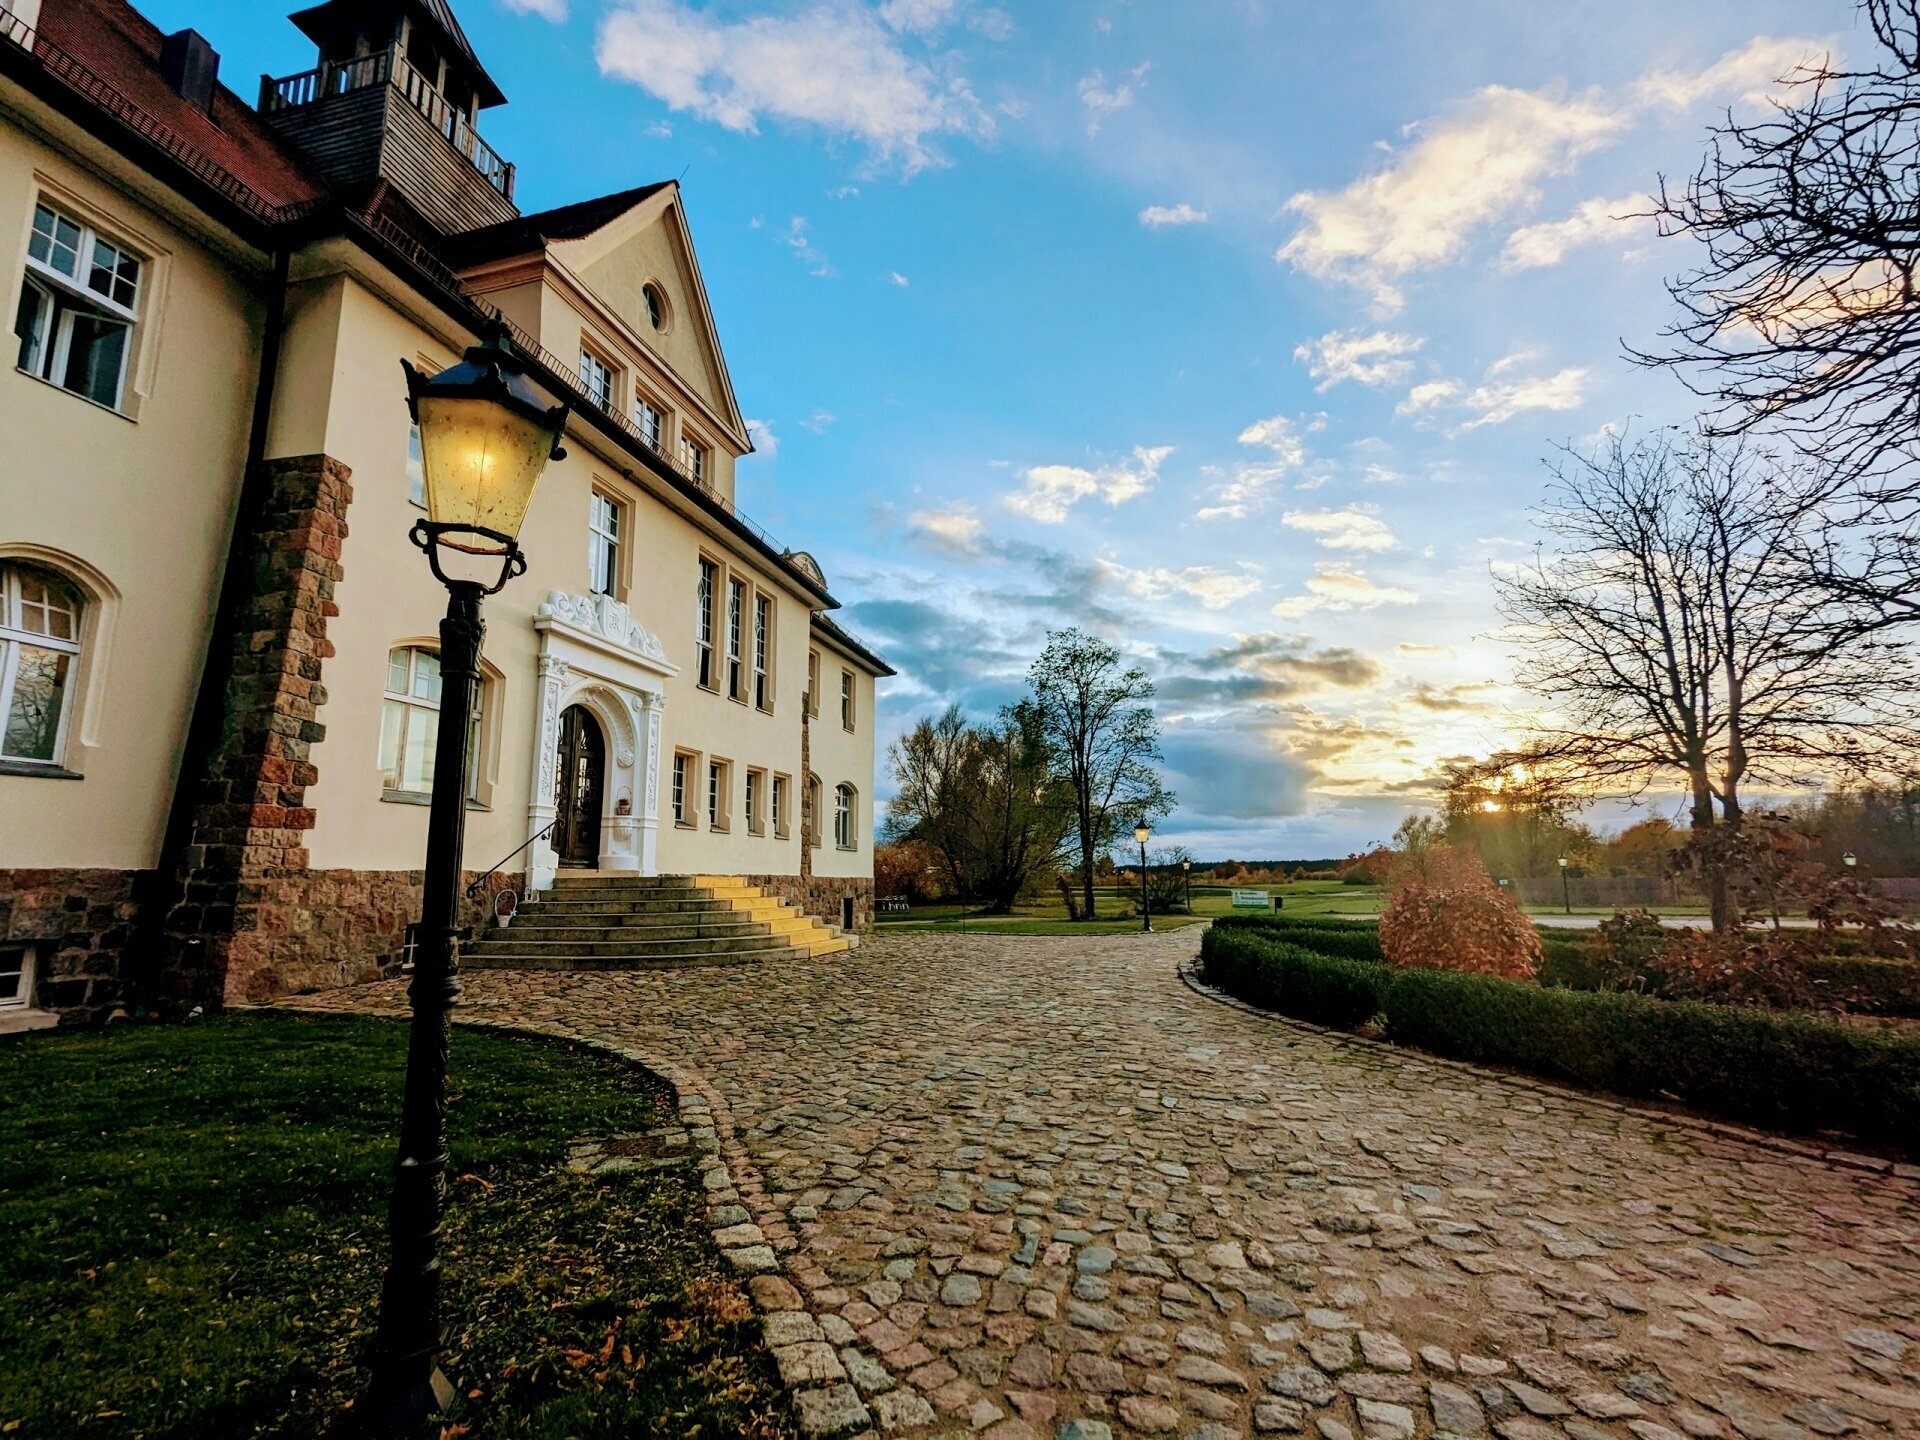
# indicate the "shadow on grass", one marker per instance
pixel 196 1222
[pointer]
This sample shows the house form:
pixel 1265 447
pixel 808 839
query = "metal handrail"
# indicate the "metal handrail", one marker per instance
pixel 477 886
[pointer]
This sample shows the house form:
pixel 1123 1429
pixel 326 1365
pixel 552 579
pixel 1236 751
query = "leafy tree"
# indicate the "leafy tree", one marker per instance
pixel 1094 718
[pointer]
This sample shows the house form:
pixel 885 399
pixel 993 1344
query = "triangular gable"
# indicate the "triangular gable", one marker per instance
pixel 650 243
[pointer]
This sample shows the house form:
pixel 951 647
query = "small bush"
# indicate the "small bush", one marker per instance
pixel 1446 913
pixel 1269 972
pixel 1794 1072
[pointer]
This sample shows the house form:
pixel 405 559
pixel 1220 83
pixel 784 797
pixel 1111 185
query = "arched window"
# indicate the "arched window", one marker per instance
pixel 410 724
pixel 40 630
pixel 810 818
pixel 845 812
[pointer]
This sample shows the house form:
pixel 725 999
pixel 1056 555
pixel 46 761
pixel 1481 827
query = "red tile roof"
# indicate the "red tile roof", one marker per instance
pixel 122 48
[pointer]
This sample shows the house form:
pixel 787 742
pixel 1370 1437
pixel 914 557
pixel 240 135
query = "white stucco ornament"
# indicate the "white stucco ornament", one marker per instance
pixel 604 616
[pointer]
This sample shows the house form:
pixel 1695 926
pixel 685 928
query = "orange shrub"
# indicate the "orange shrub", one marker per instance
pixel 1445 913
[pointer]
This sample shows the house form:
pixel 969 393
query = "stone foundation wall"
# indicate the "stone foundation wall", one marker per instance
pixel 319 929
pixel 820 895
pixel 81 924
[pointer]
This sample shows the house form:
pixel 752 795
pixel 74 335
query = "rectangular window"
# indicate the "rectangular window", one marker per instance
pixel 777 805
pixel 756 787
pixel 16 961
pixel 736 602
pixel 603 545
pixel 843 816
pixel 410 724
pixel 703 622
pixel 813 683
pixel 693 458
pixel 78 306
pixel 762 639
pixel 683 764
pixel 846 698
pixel 648 420
pixel 596 378
pixel 718 786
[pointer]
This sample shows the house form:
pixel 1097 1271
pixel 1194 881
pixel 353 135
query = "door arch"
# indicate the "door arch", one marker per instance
pixel 579 785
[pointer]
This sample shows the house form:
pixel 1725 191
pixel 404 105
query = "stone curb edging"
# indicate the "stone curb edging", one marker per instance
pixel 749 1230
pixel 1718 1129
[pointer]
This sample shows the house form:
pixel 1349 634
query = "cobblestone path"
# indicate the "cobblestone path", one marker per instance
pixel 1032 1187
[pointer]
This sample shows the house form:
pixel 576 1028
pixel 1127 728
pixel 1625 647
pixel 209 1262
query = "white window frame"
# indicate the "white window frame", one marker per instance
pixel 655 434
pixel 693 457
pixel 755 801
pixel 413 706
pixel 846 810
pixel 777 804
pixel 813 683
pixel 849 701
pixel 812 801
pixel 736 622
pixel 22 997
pixel 703 603
pixel 597 377
pixel 719 788
pixel 74 296
pixel 683 763
pixel 604 519
pixel 14 634
pixel 762 648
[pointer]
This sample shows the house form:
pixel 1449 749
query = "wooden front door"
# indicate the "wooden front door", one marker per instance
pixel 578 784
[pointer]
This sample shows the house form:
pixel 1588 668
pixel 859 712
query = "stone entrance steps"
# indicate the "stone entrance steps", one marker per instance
pixel 634 922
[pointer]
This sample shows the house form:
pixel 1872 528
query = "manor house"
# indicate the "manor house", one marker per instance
pixel 218 674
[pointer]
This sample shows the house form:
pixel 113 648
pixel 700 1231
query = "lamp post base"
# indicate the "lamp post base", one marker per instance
pixel 402 1399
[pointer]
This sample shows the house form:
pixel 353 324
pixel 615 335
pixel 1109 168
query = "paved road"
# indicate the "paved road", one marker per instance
pixel 1034 1187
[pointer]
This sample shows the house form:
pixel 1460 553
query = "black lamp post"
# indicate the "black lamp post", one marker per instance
pixel 1566 895
pixel 1186 875
pixel 485 436
pixel 1143 833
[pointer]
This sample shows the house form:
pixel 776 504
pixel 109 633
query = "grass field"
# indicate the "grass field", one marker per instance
pixel 196 1231
pixel 1303 898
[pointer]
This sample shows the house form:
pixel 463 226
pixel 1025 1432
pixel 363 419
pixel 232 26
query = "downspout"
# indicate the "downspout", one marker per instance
pixel 205 723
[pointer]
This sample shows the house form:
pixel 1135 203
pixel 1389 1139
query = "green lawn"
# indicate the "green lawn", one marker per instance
pixel 195 1221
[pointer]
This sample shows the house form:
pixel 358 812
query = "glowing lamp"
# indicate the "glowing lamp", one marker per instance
pixel 485 435
pixel 1142 832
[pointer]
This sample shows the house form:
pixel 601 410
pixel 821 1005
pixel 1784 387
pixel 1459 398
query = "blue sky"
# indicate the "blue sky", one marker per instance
pixel 1236 332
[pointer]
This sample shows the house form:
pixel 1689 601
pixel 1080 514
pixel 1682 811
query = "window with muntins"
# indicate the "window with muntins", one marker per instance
pixel 39 647
pixel 596 378
pixel 410 723
pixel 682 780
pixel 777 805
pixel 16 961
pixel 693 458
pixel 755 779
pixel 78 307
pixel 649 421
pixel 843 816
pixel 762 625
pixel 603 544
pixel 703 621
pixel 736 602
pixel 810 811
pixel 813 683
pixel 717 795
pixel 846 698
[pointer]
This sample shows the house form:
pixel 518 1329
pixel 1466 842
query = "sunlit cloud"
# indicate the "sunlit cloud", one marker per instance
pixel 1591 222
pixel 1334 586
pixel 1048 493
pixel 1156 217
pixel 1352 528
pixel 1380 358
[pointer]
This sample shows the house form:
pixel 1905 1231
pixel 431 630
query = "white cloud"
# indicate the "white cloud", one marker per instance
pixel 835 67
pixel 1102 99
pixel 819 421
pixel 554 10
pixel 1376 359
pixel 1749 73
pixel 995 24
pixel 1482 162
pixel 799 239
pixel 1333 586
pixel 1591 221
pixel 1353 528
pixel 1049 492
pixel 1499 401
pixel 917 15
pixel 957 529
pixel 894 277
pixel 765 442
pixel 1214 589
pixel 1280 437
pixel 658 130
pixel 1156 216
pixel 1427 395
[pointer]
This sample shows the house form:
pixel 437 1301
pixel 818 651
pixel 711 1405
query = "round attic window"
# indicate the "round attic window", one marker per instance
pixel 658 315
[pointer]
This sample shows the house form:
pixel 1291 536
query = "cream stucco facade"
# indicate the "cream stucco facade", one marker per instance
pixel 606 738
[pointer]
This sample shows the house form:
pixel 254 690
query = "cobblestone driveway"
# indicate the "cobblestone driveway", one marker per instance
pixel 1031 1187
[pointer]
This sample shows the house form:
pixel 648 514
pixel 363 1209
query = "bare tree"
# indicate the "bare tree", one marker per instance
pixel 985 799
pixel 1104 737
pixel 1676 637
pixel 1803 320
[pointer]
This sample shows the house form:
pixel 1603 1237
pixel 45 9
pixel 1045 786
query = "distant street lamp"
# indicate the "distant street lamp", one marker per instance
pixel 1143 833
pixel 1186 874
pixel 485 435
pixel 1849 859
pixel 1566 895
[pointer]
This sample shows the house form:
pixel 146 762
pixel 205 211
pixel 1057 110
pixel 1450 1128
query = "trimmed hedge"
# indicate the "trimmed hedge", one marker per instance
pixel 1347 939
pixel 1782 1070
pixel 1277 975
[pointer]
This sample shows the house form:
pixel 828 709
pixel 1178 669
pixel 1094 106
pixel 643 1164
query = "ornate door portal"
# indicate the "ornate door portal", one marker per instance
pixel 579 781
